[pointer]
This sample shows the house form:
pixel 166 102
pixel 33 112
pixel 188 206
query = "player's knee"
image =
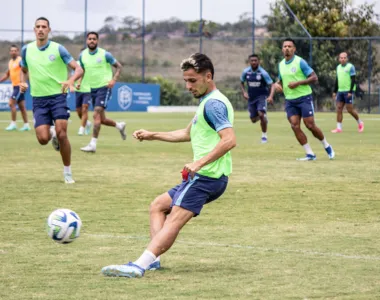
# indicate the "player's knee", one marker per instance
pixel 253 120
pixel 43 140
pixel 310 125
pixel 295 126
pixel 12 105
pixel 61 135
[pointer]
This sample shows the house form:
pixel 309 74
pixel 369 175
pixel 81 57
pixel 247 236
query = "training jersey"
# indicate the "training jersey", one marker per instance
pixel 47 67
pixel 205 137
pixel 14 69
pixel 257 80
pixel 296 69
pixel 343 74
pixel 97 67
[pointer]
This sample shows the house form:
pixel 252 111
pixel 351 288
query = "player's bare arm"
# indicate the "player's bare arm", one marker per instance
pixel 24 76
pixel 78 73
pixel 245 94
pixel 177 136
pixel 313 78
pixel 226 143
pixel 5 76
pixel 271 94
pixel 116 76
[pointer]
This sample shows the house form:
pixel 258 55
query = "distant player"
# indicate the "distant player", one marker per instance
pixel 44 62
pixel 259 83
pixel 97 64
pixel 82 102
pixel 295 77
pixel 344 92
pixel 18 98
pixel 204 180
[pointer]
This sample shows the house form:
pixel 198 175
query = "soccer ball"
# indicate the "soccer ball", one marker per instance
pixel 63 225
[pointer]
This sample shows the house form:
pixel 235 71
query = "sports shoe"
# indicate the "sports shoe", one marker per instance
pixel 361 127
pixel 87 130
pixel 307 157
pixel 11 127
pixel 54 139
pixel 154 266
pixel 336 130
pixel 264 140
pixel 330 152
pixel 89 148
pixel 68 178
pixel 122 130
pixel 25 128
pixel 81 131
pixel 129 270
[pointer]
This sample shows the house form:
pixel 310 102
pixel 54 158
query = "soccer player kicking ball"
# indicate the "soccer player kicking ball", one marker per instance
pixel 45 62
pixel 295 77
pixel 204 180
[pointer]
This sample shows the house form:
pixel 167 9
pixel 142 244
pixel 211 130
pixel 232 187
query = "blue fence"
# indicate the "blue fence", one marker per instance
pixel 125 97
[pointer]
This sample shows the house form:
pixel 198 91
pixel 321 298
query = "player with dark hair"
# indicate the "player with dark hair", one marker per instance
pixel 204 180
pixel 259 84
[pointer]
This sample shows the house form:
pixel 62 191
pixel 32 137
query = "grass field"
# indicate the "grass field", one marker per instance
pixel 283 229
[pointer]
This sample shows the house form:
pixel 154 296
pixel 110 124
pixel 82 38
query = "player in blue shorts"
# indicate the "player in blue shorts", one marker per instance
pixel 204 180
pixel 295 77
pixel 259 83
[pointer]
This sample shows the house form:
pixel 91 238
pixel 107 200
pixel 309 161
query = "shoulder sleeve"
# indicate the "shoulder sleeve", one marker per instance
pixel 305 68
pixel 110 59
pixel 352 71
pixel 23 57
pixel 65 55
pixel 242 77
pixel 266 76
pixel 217 115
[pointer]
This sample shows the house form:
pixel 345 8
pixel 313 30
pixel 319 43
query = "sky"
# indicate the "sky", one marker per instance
pixel 68 15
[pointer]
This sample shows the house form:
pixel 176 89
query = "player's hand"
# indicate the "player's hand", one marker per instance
pixel 142 135
pixel 278 88
pixel 77 86
pixel 111 84
pixel 192 168
pixel 334 96
pixel 270 100
pixel 293 85
pixel 23 87
pixel 245 95
pixel 67 86
pixel 349 95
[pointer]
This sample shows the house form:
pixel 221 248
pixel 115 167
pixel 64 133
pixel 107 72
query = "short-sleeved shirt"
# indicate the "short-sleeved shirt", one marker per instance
pixel 258 81
pixel 216 115
pixel 305 68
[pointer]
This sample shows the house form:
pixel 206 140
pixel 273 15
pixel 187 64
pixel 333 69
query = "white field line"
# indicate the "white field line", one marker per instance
pixel 237 246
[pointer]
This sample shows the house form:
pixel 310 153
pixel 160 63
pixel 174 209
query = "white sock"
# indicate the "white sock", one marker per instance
pixel 264 134
pixel 359 121
pixel 118 126
pixel 81 128
pixel 26 124
pixel 13 123
pixel 52 131
pixel 88 123
pixel 145 259
pixel 93 141
pixel 339 126
pixel 308 149
pixel 67 169
pixel 325 143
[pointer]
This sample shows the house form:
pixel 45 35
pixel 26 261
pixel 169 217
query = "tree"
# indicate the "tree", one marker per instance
pixel 323 18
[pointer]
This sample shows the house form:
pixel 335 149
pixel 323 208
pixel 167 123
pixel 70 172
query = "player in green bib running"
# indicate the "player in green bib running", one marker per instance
pixel 344 92
pixel 295 77
pixel 97 64
pixel 204 180
pixel 46 64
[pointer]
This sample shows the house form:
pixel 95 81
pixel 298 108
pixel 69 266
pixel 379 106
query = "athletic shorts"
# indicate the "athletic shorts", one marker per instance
pixel 16 95
pixel 343 97
pixel 302 106
pixel 259 104
pixel 82 98
pixel 101 96
pixel 192 194
pixel 51 108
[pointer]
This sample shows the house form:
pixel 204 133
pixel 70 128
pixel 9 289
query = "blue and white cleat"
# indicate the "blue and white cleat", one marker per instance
pixel 264 140
pixel 129 270
pixel 68 177
pixel 330 152
pixel 154 266
pixel 307 157
pixel 87 129
pixel 11 127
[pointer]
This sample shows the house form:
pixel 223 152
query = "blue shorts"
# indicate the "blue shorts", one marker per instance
pixel 16 95
pixel 302 106
pixel 101 96
pixel 343 97
pixel 192 194
pixel 51 108
pixel 259 104
pixel 82 98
